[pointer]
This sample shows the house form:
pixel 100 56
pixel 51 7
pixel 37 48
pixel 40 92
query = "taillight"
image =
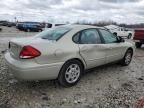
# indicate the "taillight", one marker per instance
pixel 29 52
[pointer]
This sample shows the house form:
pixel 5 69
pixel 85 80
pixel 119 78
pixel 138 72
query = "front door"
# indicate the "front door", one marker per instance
pixel 91 48
pixel 114 49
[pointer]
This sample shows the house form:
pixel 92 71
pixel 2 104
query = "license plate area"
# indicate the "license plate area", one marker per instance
pixel 14 49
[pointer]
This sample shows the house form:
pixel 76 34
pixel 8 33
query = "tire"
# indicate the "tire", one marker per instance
pixel 115 34
pixel 138 45
pixel 28 30
pixel 129 36
pixel 40 30
pixel 66 78
pixel 127 58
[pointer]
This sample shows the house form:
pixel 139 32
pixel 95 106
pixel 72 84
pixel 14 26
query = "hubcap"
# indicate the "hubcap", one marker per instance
pixel 128 58
pixel 72 73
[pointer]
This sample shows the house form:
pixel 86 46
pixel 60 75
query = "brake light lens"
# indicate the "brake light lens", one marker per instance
pixel 29 52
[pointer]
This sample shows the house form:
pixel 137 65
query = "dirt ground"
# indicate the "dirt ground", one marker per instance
pixel 111 86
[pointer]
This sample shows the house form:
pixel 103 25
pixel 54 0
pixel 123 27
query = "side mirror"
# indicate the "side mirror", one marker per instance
pixel 120 39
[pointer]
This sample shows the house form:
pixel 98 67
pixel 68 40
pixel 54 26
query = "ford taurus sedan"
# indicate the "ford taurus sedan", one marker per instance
pixel 64 52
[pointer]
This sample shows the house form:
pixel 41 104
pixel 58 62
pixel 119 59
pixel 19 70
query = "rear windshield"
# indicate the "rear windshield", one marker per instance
pixel 54 33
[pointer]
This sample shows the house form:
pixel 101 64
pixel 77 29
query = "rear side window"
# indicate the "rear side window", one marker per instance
pixel 54 34
pixel 108 37
pixel 90 36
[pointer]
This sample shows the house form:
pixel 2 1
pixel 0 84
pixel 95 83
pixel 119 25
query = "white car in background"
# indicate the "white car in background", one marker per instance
pixel 120 31
pixel 64 52
pixel 52 25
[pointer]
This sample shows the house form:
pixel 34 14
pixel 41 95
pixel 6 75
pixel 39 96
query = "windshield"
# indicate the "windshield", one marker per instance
pixel 54 33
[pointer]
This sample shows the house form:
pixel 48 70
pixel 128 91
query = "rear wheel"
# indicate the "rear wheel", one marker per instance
pixel 28 30
pixel 127 58
pixel 40 30
pixel 70 73
pixel 138 45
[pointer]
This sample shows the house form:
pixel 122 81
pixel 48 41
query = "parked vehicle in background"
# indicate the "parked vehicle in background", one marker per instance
pixel 51 25
pixel 11 24
pixel 35 26
pixel 19 26
pixel 29 26
pixel 64 53
pixel 32 27
pixel 7 23
pixel 3 23
pixel 120 31
pixel 139 37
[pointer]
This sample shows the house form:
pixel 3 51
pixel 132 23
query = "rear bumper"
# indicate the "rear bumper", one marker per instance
pixel 140 41
pixel 31 70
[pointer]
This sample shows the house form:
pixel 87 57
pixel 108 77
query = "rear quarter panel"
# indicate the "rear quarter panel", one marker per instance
pixel 59 51
pixel 129 45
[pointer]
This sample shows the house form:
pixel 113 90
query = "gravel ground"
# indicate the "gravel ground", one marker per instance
pixel 111 86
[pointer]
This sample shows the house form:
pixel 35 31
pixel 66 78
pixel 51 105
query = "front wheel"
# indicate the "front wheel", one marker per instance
pixel 129 36
pixel 70 73
pixel 138 45
pixel 28 30
pixel 127 58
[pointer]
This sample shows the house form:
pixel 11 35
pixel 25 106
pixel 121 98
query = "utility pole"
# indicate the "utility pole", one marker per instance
pixel 15 18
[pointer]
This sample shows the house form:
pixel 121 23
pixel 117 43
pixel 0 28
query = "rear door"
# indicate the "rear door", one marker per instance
pixel 114 49
pixel 91 48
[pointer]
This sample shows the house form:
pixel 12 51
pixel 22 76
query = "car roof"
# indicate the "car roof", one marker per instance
pixel 75 26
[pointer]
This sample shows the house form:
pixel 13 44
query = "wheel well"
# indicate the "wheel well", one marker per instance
pixel 130 34
pixel 114 33
pixel 130 48
pixel 77 59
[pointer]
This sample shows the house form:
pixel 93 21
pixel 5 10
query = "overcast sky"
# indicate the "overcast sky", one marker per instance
pixel 121 11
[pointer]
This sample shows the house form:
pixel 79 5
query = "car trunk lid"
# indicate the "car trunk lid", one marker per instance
pixel 16 45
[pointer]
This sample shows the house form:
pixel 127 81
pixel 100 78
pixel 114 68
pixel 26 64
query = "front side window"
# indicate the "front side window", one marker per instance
pixel 108 37
pixel 54 33
pixel 90 36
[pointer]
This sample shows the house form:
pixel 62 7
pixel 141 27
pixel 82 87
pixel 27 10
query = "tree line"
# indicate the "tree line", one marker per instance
pixel 105 23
